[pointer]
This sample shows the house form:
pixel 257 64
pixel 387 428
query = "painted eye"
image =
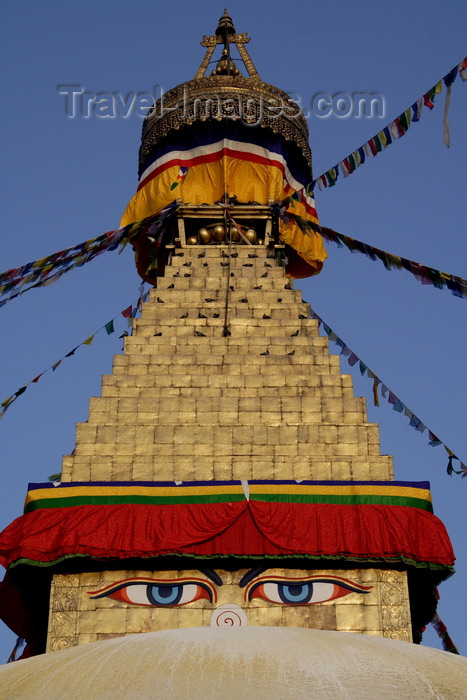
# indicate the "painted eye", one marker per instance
pixel 302 591
pixel 157 593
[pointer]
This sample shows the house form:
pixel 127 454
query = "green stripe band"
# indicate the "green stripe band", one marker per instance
pixel 357 499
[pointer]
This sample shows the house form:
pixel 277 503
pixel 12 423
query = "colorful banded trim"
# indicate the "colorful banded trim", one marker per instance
pixel 393 493
pixel 208 136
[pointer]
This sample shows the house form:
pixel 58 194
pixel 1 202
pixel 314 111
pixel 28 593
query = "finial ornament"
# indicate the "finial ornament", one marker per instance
pixel 226 34
pixel 224 93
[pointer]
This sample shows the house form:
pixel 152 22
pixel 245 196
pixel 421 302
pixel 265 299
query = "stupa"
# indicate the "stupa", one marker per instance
pixel 227 476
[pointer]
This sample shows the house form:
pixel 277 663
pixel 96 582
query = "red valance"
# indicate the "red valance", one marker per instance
pixel 365 532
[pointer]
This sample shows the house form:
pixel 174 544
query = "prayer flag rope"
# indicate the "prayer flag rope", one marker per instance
pixel 425 275
pixel 395 130
pixel 397 404
pixel 129 313
pixel 48 270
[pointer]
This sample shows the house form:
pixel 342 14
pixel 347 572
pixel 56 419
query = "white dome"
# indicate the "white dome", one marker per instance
pixel 261 663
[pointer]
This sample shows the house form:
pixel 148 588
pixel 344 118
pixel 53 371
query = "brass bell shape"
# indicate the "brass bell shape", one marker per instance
pixel 234 234
pixel 218 233
pixel 250 234
pixel 192 240
pixel 205 236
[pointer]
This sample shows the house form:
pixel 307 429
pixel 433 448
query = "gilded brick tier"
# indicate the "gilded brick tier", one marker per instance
pixel 266 402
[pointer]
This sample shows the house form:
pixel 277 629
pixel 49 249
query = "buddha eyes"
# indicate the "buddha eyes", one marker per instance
pixel 158 593
pixel 305 591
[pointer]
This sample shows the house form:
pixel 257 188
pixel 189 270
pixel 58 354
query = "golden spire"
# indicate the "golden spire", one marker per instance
pixel 226 34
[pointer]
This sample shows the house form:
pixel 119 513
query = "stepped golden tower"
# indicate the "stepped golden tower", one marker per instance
pixel 227 476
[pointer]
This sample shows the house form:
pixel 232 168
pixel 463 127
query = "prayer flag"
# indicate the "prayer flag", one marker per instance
pixel 463 69
pixel 427 101
pixel 378 143
pixel 434 441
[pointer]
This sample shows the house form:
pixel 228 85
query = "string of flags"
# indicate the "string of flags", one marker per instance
pixel 425 275
pixel 129 313
pixel 390 396
pixel 46 271
pixel 442 632
pixel 395 129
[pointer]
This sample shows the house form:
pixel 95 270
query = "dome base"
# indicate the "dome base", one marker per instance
pixel 251 662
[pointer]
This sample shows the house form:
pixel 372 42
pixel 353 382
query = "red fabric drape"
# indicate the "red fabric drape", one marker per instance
pixel 254 528
pixel 361 530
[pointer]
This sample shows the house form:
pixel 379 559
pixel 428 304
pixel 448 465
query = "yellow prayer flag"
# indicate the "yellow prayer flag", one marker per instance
pixel 39 264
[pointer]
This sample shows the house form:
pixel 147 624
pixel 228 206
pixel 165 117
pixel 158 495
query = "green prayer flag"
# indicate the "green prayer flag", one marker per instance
pixel 403 121
pixel 109 327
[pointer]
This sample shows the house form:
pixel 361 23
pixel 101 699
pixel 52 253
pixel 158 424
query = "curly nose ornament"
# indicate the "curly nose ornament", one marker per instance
pixel 228 615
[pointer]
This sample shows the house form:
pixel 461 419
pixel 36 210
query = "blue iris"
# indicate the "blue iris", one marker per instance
pixel 164 595
pixel 300 593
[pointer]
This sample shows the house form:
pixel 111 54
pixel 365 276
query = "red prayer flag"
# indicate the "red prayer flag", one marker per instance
pixel 427 102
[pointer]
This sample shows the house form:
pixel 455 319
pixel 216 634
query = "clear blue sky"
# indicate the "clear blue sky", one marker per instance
pixel 67 180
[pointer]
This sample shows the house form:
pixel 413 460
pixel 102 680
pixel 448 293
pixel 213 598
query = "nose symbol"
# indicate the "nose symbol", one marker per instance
pixel 228 615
